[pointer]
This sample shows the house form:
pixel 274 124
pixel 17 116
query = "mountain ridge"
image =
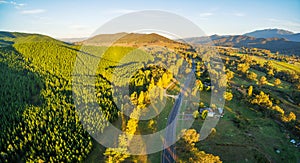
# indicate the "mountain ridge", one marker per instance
pixel 10 38
pixel 274 44
pixel 271 33
pixel 282 45
pixel 134 40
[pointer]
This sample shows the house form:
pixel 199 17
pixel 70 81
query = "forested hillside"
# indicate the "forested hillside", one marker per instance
pixel 37 113
pixel 38 117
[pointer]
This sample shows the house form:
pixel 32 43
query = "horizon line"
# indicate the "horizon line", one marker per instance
pixel 80 37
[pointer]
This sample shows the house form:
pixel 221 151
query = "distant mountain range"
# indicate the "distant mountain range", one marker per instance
pixel 271 39
pixel 272 33
pixel 264 39
pixel 71 40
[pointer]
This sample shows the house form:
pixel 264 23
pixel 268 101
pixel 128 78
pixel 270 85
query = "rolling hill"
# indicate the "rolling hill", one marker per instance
pixel 272 33
pixel 281 45
pixel 133 40
pixel 10 38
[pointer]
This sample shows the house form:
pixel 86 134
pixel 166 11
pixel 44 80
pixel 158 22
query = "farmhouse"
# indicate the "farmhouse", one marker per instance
pixel 211 112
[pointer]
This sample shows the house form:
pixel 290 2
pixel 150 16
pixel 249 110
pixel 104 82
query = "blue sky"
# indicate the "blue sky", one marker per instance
pixel 74 18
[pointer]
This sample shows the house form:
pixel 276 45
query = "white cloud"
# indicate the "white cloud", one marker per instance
pixel 206 14
pixel 15 4
pixel 3 2
pixel 34 11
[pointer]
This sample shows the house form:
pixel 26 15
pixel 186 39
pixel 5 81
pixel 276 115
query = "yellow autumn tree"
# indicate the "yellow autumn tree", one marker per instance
pixel 252 76
pixel 228 96
pixel 187 152
pixel 250 90
pixel 262 100
pixel 243 67
pixel 263 80
pixel 278 109
pixel 229 75
pixel 289 118
pixel 277 82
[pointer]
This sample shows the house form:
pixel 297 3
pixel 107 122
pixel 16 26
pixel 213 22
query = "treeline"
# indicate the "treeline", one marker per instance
pixel 267 54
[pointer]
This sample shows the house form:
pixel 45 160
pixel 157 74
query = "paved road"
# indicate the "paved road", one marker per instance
pixel 169 154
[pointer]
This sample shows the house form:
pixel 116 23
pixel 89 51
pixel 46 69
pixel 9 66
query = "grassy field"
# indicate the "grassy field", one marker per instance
pixel 255 139
pixel 279 65
pixel 282 92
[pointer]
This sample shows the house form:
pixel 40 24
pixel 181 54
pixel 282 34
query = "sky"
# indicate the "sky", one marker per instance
pixel 75 18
